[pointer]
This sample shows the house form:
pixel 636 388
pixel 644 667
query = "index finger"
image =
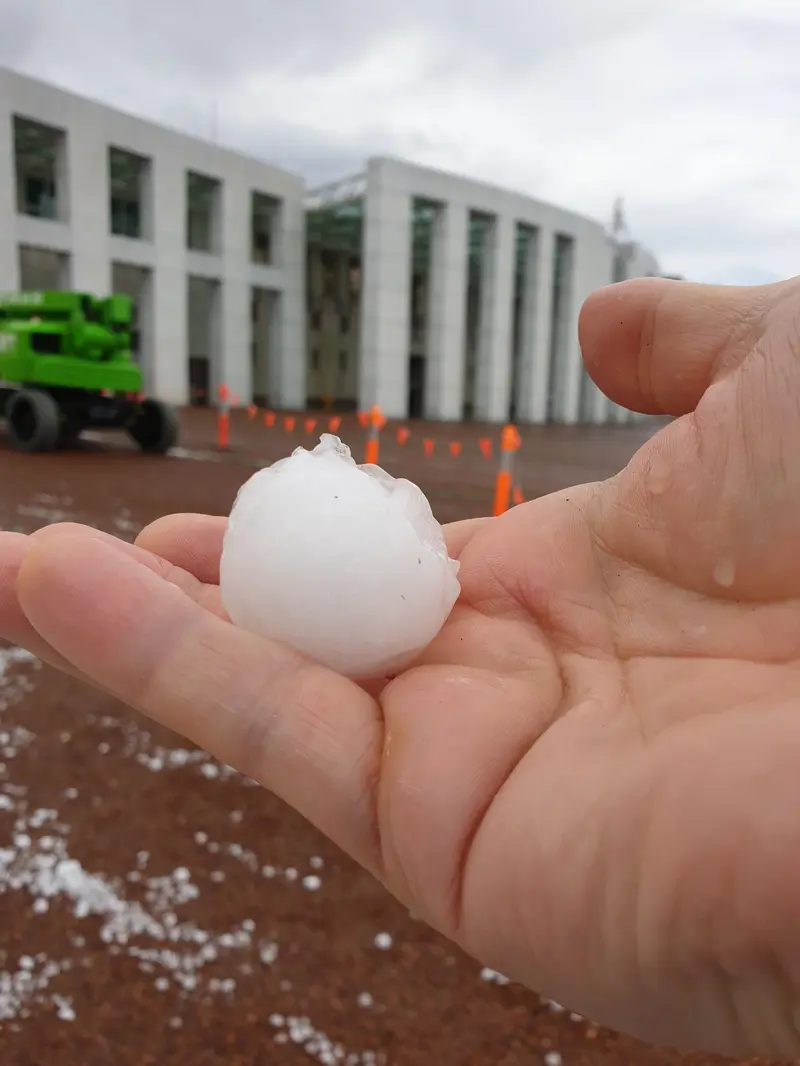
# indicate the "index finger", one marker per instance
pixel 311 736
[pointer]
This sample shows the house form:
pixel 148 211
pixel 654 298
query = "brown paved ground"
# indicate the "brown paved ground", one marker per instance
pixel 156 908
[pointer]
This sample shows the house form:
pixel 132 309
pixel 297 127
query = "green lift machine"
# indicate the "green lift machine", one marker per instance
pixel 66 365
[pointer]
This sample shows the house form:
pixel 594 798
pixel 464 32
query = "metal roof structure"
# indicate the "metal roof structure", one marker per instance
pixel 335 221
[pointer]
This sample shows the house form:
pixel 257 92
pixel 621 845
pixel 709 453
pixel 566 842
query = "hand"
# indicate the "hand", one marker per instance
pixel 591 779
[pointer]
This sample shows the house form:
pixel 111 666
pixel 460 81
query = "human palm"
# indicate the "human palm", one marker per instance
pixel 590 778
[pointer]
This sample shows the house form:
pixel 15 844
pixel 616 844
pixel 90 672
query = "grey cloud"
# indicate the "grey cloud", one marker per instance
pixel 19 28
pixel 707 241
pixel 219 42
pixel 171 60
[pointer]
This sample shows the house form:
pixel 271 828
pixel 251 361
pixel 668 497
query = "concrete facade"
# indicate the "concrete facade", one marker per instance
pixel 302 323
pixel 81 234
pixel 567 257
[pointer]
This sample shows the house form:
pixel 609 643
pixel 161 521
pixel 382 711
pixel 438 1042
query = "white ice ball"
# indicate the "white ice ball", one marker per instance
pixel 342 562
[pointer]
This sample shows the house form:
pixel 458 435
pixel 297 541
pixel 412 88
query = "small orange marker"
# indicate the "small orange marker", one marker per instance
pixel 428 444
pixel 377 422
pixel 269 419
pixel 516 496
pixel 403 433
pixel 509 445
pixel 223 417
pixel 363 419
pixel 252 410
pixel 455 447
pixel 485 445
pixel 310 424
pixel 333 423
pixel 289 423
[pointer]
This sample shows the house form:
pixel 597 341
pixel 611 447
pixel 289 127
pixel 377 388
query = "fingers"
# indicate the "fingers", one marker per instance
pixel 206 596
pixel 309 735
pixel 190 541
pixel 655 345
pixel 193 542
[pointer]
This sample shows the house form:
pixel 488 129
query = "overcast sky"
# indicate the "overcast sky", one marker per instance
pixel 689 109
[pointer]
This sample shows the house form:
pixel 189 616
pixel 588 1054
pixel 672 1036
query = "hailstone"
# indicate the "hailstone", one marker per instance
pixel 342 562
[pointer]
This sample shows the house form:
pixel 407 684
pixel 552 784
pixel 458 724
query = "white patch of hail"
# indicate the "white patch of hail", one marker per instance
pixel 176 951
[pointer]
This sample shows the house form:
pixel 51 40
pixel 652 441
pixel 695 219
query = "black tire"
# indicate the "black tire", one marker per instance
pixel 154 427
pixel 34 421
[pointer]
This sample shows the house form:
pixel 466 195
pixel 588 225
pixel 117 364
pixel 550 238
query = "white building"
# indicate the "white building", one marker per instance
pixel 469 301
pixel 204 239
pixel 424 292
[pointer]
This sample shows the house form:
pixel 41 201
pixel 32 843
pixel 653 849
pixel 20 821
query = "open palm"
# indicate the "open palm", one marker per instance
pixel 590 780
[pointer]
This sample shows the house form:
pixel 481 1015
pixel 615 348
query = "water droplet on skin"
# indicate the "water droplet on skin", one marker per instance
pixel 724 573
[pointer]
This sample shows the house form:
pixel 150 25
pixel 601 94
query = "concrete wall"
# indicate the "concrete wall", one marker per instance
pixel 83 234
pixel 392 186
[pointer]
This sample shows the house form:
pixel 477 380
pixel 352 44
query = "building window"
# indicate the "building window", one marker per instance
pixel 263 218
pixel 128 175
pixel 202 212
pixel 37 153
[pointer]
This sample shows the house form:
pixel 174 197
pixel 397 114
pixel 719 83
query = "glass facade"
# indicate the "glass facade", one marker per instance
pixel 38 151
pixel 263 216
pixel 202 212
pixel 128 186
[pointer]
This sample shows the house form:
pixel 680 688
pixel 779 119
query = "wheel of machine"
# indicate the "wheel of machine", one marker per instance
pixel 34 421
pixel 155 427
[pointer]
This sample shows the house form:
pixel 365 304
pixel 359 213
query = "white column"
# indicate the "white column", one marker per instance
pixel 567 370
pixel 233 353
pixel 493 368
pixel 588 267
pixel 586 400
pixel 169 282
pixel 386 293
pixel 9 252
pixel 447 314
pixel 288 367
pixel 233 333
pixel 85 191
pixel 144 322
pixel 564 383
pixel 600 407
pixel 537 303
pixel 214 321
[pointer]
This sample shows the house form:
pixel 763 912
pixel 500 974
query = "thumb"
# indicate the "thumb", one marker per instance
pixel 655 345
